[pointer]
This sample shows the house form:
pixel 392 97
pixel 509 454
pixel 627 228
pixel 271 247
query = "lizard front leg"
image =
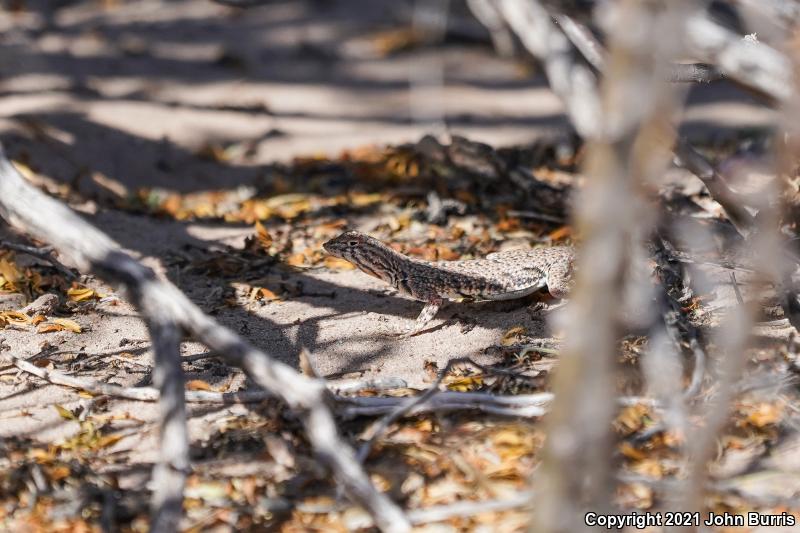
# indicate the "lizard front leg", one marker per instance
pixel 425 316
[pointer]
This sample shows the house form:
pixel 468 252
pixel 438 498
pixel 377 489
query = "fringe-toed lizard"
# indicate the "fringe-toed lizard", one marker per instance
pixel 500 276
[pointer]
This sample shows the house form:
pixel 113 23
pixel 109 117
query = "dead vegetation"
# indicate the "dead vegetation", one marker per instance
pixel 669 383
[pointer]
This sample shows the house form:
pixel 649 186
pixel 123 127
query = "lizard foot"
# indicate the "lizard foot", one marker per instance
pixel 542 307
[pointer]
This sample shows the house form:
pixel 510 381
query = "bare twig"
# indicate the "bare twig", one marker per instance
pixel 690 159
pixel 170 473
pixel 380 426
pixel 460 509
pixel 537 216
pixel 694 73
pixel 570 78
pixel 676 322
pixel 748 61
pixel 45 254
pixel 486 12
pixel 349 386
pixel 25 207
pixel 523 405
pixel 142 394
pixel 582 38
pixel 409 404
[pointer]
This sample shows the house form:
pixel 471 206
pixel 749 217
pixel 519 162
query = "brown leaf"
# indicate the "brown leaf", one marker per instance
pixel 561 233
pixel 632 418
pixel 508 224
pixel 446 254
pixel 761 414
pixel 15 317
pixel 9 271
pixel 297 260
pixel 198 384
pixel 80 293
pixel 631 452
pixel 65 413
pixel 57 473
pixel 513 335
pixel 108 440
pixel 465 384
pixel 263 237
pixel 44 363
pixel 59 324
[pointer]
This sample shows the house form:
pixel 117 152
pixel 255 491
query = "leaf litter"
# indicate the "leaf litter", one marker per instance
pixel 422 460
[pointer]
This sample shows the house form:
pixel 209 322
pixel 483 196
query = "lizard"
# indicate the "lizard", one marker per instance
pixel 502 275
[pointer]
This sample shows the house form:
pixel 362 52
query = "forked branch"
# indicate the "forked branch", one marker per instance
pixel 165 308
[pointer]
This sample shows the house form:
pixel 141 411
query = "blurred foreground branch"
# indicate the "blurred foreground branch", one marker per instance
pixel 628 150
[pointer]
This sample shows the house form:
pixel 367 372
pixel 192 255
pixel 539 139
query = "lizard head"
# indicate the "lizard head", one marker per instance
pixel 349 245
pixel 367 253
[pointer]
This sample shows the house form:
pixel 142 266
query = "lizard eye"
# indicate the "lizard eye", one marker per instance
pixel 353 243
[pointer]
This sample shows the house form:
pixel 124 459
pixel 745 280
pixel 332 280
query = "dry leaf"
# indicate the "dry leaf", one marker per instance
pixel 198 384
pixel 79 293
pixel 446 254
pixel 59 324
pixel 513 335
pixel 361 200
pixel 15 317
pixel 632 418
pixel 761 414
pixel 263 237
pixel 631 452
pixel 561 233
pixel 58 473
pixel 108 440
pixel 10 272
pixel 465 384
pixel 65 413
pixel 297 260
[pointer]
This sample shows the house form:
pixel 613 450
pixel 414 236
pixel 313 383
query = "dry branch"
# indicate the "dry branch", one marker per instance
pixel 170 473
pixel 46 219
pixel 45 254
pixel 569 76
pixel 411 404
pixel 624 154
pixel 460 509
pixel 523 405
pixel 531 405
pixel 747 61
pixel 488 15
pixel 142 394
pixel 733 205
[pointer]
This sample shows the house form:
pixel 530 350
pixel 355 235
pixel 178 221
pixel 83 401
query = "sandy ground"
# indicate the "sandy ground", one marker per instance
pixel 134 91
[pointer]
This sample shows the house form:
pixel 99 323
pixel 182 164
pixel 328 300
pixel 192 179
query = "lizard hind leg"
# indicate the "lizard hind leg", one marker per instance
pixel 425 316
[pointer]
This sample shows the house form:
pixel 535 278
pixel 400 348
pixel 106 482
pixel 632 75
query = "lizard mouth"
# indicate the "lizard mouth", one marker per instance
pixel 331 248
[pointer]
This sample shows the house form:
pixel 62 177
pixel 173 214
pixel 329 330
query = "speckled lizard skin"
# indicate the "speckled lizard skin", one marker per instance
pixel 500 276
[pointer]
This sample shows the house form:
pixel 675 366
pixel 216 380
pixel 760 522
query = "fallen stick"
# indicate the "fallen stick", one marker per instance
pixel 440 513
pixel 526 405
pixel 151 394
pixel 45 254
